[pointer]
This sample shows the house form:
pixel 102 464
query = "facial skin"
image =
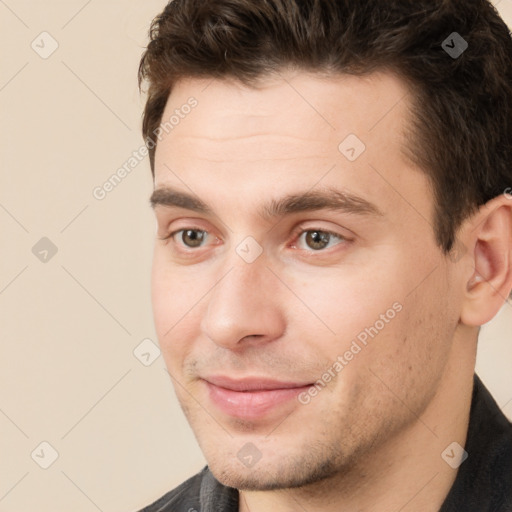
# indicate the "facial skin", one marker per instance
pixel 383 421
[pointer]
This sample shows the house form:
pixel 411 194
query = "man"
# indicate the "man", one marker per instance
pixel 334 224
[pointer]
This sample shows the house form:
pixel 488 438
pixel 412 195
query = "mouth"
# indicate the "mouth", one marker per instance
pixel 252 397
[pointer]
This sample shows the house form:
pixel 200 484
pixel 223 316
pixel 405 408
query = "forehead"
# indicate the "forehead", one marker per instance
pixel 287 133
pixel 296 113
pixel 327 99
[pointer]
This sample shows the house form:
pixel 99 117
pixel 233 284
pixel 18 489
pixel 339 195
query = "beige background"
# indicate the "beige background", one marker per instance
pixel 70 325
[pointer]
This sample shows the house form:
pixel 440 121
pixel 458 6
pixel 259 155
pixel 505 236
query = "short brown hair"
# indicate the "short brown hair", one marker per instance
pixel 461 122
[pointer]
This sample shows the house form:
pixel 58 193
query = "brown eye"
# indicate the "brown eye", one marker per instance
pixel 192 237
pixel 316 240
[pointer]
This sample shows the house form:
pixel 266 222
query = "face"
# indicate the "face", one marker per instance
pixel 297 285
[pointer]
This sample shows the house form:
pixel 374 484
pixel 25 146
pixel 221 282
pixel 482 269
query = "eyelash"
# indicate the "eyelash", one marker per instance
pixel 296 236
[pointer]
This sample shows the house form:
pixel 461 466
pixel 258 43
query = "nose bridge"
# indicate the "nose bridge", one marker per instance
pixel 242 283
pixel 243 303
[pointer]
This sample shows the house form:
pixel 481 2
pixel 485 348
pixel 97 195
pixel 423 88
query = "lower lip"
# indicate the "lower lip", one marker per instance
pixel 251 404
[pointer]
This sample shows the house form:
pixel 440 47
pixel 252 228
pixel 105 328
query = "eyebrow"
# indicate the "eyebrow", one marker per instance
pixel 327 199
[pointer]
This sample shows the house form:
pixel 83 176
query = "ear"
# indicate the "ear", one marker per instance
pixel 489 243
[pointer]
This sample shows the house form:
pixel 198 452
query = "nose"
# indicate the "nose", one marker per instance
pixel 244 308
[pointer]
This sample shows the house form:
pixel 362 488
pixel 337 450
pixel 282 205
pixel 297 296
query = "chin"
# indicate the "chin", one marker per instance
pixel 284 472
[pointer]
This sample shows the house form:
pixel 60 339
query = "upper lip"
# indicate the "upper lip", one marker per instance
pixel 252 383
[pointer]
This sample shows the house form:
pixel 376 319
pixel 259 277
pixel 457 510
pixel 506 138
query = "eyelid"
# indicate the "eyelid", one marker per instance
pixel 189 224
pixel 315 227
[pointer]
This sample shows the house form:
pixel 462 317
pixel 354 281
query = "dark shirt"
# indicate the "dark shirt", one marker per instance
pixel 483 482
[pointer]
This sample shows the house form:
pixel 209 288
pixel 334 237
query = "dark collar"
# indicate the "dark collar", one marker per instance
pixel 484 479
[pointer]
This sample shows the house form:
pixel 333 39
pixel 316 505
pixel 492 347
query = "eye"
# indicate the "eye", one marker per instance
pixel 314 239
pixel 190 238
pixel 318 239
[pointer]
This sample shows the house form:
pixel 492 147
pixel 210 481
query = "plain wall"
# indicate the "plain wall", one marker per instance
pixel 70 324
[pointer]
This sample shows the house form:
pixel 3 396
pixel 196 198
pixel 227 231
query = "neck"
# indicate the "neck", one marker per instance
pixel 405 474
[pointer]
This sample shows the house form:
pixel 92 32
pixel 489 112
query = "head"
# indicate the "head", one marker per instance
pixel 331 214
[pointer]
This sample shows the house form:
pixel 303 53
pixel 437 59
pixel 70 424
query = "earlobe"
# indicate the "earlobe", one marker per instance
pixel 491 281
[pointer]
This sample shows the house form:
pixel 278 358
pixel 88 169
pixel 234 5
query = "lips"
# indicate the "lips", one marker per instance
pixel 251 397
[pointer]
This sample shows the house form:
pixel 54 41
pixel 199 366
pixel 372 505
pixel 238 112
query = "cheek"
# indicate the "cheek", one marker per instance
pixel 410 355
pixel 174 290
pixel 343 302
pixel 367 316
pixel 161 285
pixel 176 301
